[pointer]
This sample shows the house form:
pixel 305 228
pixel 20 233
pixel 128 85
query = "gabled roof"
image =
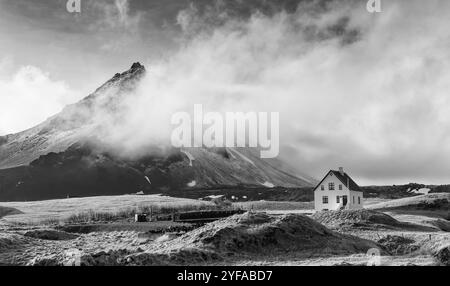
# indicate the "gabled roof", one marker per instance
pixel 344 179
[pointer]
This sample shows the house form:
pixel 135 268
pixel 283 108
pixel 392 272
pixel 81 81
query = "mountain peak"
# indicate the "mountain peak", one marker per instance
pixel 133 74
pixel 136 68
pixel 137 65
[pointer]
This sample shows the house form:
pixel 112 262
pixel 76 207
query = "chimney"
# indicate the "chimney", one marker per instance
pixel 341 171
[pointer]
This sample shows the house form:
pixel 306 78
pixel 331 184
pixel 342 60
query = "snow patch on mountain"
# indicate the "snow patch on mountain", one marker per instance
pixel 268 184
pixel 242 156
pixel 192 184
pixel 422 191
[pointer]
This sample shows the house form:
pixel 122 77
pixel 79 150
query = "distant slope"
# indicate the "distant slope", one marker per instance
pixel 5 211
pixel 82 170
pixel 402 191
pixel 431 201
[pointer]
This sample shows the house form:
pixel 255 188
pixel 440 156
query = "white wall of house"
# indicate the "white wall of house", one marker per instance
pixel 354 199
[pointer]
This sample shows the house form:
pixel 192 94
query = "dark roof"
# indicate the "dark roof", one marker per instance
pixel 344 179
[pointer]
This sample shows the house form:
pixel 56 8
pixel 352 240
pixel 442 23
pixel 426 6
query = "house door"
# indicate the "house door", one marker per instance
pixel 344 201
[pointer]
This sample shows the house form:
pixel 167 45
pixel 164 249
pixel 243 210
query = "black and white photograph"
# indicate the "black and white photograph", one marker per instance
pixel 224 133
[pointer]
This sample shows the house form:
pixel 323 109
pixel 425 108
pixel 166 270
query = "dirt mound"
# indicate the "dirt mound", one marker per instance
pixel 240 237
pixel 398 245
pixel 438 245
pixel 44 261
pixel 181 256
pixel 11 241
pixel 110 258
pixel 79 258
pixel 355 218
pixel 50 234
pixel 251 234
pixel 443 256
pixel 5 211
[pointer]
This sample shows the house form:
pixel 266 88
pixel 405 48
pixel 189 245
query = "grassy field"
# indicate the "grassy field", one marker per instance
pixel 103 229
pixel 113 208
pixel 435 205
pixel 372 201
pixel 412 202
pixel 97 208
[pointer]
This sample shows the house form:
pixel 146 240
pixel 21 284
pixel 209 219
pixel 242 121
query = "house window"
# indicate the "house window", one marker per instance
pixel 325 200
pixel 331 186
pixel 337 200
pixel 359 200
pixel 353 199
pixel 340 187
pixel 322 187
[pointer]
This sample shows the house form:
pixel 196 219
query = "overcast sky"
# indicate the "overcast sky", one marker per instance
pixel 365 91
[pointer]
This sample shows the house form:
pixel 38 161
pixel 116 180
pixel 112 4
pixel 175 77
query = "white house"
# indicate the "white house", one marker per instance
pixel 337 191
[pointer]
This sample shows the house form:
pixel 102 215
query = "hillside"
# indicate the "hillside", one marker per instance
pixel 439 201
pixel 66 156
pixel 75 123
pixel 401 191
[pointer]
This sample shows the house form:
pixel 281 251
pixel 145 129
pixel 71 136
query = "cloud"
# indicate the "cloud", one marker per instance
pixel 123 7
pixel 365 91
pixel 116 14
pixel 368 92
pixel 114 23
pixel 28 97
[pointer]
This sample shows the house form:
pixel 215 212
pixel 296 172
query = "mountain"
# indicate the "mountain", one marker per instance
pixel 65 156
pixel 74 123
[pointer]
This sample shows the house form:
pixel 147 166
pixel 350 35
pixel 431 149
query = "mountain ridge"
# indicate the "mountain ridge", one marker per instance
pixel 74 119
pixel 65 156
